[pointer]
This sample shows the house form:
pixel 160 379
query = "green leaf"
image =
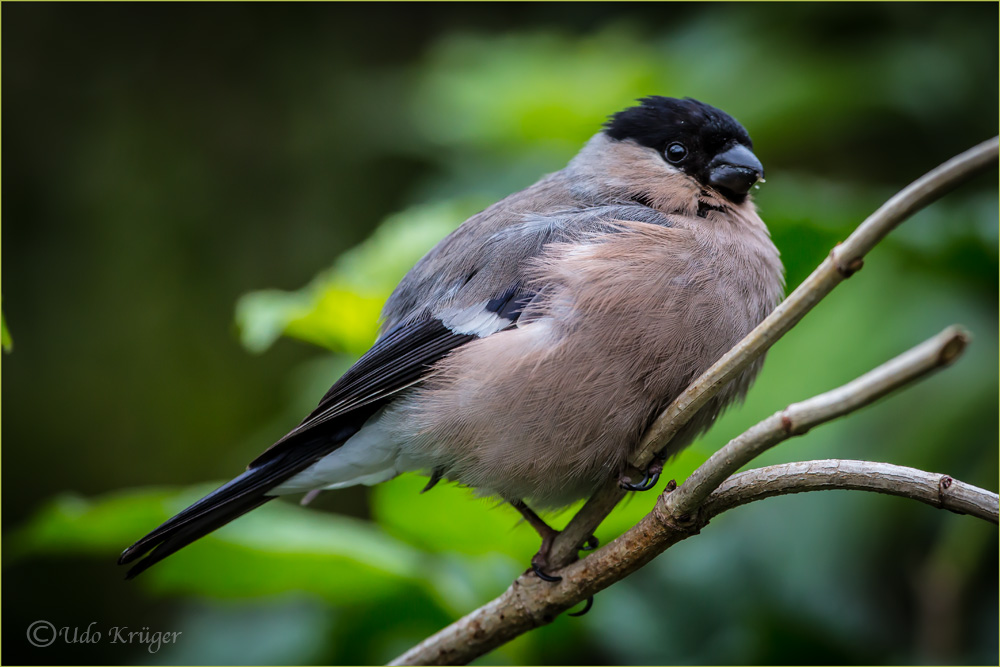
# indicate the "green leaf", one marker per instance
pixel 275 549
pixel 473 525
pixel 340 558
pixel 450 518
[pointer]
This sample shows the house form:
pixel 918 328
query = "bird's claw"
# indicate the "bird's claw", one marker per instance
pixel 543 575
pixel 589 545
pixel 586 607
pixel 649 480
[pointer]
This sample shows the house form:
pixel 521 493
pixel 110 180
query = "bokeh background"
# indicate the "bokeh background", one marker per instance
pixel 204 206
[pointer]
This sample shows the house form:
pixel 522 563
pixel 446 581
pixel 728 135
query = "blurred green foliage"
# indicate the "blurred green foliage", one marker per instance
pixel 6 341
pixel 340 308
pixel 171 161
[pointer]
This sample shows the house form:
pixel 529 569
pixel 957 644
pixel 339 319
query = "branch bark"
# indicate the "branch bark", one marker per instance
pixel 678 514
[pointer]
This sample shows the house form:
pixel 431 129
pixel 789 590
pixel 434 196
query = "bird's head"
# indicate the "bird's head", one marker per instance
pixel 695 138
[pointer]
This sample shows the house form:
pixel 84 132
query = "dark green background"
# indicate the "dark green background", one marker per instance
pixel 161 161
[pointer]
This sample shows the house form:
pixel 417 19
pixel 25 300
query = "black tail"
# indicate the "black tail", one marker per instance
pixel 240 495
pixel 231 500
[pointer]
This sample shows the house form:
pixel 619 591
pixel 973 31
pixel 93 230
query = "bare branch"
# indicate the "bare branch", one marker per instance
pixel 798 418
pixel 530 602
pixel 843 261
pixel 937 490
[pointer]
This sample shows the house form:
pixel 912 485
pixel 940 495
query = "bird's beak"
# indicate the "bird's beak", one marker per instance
pixel 735 170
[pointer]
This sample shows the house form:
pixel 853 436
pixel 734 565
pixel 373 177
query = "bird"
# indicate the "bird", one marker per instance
pixel 527 352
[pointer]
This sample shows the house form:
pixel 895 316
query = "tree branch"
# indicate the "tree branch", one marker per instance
pixel 843 261
pixel 530 602
pixel 798 418
pixel 941 491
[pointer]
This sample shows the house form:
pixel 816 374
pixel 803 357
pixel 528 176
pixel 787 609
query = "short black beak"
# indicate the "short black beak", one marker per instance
pixel 735 170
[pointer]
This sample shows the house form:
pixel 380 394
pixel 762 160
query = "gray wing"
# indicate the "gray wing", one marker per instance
pixel 483 264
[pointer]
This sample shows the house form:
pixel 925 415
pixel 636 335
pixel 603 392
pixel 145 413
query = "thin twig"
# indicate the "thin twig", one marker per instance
pixel 530 602
pixel 935 489
pixel 843 261
pixel 798 418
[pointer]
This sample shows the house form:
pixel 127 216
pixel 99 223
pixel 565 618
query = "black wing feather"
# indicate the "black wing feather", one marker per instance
pixel 397 360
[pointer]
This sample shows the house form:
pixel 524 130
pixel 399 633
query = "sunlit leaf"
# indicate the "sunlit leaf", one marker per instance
pixel 340 308
pixel 263 316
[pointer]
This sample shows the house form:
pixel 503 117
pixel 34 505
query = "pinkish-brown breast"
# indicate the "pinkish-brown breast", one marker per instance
pixel 549 409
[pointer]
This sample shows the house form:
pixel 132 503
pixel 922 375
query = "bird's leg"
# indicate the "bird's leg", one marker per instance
pixel 649 478
pixel 540 561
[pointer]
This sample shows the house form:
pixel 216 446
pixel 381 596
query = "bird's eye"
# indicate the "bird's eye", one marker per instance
pixel 676 152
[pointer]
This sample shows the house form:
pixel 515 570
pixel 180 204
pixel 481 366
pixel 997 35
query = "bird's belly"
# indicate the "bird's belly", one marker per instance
pixel 540 421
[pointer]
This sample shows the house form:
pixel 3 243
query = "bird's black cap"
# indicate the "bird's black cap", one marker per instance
pixel 697 138
pixel 659 120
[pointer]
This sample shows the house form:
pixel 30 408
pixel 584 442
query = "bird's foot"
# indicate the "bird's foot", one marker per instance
pixel 540 561
pixel 590 544
pixel 649 478
pixel 543 575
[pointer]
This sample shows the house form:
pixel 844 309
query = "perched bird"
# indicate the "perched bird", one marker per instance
pixel 526 353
